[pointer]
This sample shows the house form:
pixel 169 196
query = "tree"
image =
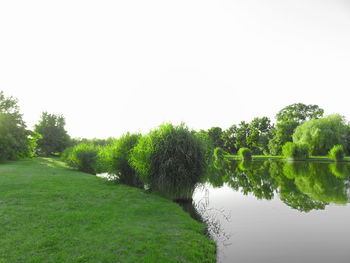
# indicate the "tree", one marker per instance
pixel 229 139
pixel 259 135
pixel 242 134
pixel 287 120
pixel 15 140
pixel 54 138
pixel 281 134
pixel 215 135
pixel 299 113
pixel 322 134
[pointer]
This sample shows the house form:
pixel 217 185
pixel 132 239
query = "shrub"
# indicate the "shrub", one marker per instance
pixel 65 156
pixel 117 156
pixel 83 157
pixel 337 153
pixel 245 153
pixel 295 151
pixel 170 160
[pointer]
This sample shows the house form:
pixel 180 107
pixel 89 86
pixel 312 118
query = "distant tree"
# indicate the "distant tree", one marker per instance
pixel 215 135
pixel 259 135
pixel 54 138
pixel 243 131
pixel 322 134
pixel 287 120
pixel 229 139
pixel 281 134
pixel 15 140
pixel 299 113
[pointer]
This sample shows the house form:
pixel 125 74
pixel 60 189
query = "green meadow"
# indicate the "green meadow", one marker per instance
pixel 50 213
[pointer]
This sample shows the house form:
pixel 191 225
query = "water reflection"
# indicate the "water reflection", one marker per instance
pixel 300 185
pixel 282 211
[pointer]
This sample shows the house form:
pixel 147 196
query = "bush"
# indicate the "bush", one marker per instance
pixel 83 157
pixel 337 153
pixel 245 153
pixel 295 151
pixel 170 160
pixel 65 156
pixel 116 159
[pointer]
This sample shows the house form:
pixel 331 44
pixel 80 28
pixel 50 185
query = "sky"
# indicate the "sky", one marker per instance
pixel 110 67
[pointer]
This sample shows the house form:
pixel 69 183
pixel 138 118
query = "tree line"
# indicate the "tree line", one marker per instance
pixel 298 123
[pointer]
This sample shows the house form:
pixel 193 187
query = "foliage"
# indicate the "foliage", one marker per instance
pixel 254 135
pixel 259 135
pixel 241 135
pixel 117 158
pixel 229 139
pixel 287 120
pixel 245 153
pixel 54 138
pixel 15 140
pixel 295 151
pixel 83 157
pixel 322 134
pixel 299 113
pixel 215 135
pixel 337 153
pixel 170 159
pixel 281 134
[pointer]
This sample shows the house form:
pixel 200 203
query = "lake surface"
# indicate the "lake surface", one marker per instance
pixel 278 212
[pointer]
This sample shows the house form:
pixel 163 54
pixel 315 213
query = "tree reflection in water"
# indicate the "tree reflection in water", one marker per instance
pixel 304 186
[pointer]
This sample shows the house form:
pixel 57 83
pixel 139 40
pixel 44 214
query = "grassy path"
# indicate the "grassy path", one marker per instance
pixel 49 213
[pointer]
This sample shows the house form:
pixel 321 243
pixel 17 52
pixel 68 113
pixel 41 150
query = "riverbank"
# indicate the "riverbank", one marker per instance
pixel 50 213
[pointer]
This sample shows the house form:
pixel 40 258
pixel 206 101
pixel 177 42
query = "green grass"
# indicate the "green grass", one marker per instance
pixel 49 213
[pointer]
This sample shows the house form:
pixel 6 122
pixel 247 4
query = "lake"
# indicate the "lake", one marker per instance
pixel 277 212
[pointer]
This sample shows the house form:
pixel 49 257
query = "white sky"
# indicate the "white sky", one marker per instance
pixel 115 66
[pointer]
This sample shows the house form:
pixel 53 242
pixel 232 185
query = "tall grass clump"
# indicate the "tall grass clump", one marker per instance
pixel 170 160
pixel 295 151
pixel 245 153
pixel 337 153
pixel 83 157
pixel 116 159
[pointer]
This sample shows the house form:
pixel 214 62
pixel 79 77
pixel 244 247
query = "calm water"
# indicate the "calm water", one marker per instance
pixel 278 212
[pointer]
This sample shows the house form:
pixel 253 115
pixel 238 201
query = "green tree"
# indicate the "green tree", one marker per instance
pixel 281 134
pixel 288 119
pixel 322 134
pixel 15 140
pixel 242 134
pixel 259 135
pixel 215 135
pixel 54 138
pixel 229 139
pixel 299 113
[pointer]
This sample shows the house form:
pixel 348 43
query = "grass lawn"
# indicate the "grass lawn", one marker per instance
pixel 50 213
